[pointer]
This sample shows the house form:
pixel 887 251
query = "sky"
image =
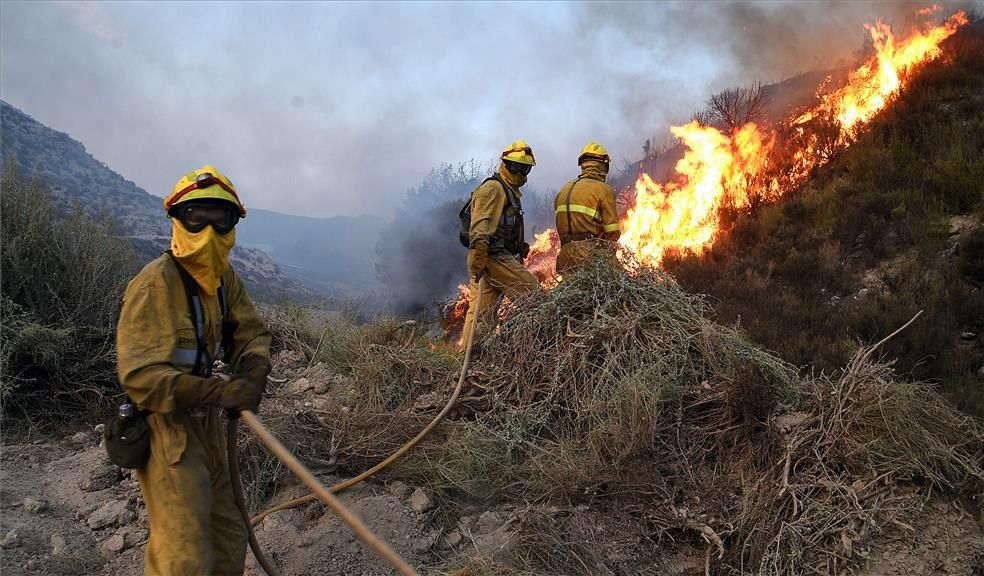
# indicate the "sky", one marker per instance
pixel 326 109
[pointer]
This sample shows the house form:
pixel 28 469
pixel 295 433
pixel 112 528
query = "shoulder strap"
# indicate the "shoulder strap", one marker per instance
pixel 203 358
pixel 510 197
pixel 227 327
pixel 570 223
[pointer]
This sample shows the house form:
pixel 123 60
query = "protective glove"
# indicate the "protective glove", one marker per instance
pixel 524 250
pixel 192 391
pixel 254 369
pixel 478 259
pixel 239 394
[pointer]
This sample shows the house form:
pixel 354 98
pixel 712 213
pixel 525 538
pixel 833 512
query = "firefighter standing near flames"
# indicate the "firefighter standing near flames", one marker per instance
pixel 165 367
pixel 496 236
pixel 587 221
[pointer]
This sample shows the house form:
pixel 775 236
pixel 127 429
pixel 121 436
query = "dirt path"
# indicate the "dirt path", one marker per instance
pixel 68 511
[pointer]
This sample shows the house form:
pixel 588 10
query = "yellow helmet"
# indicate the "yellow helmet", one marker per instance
pixel 519 152
pixel 204 183
pixel 594 151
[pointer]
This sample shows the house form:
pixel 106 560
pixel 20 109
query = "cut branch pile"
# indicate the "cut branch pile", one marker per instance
pixel 616 391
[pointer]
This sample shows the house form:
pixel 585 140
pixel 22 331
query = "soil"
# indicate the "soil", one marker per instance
pixel 67 510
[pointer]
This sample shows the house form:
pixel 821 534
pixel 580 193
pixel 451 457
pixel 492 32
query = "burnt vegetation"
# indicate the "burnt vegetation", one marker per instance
pixel 890 226
pixel 731 109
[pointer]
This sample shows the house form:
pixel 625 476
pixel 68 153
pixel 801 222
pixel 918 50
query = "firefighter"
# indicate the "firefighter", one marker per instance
pixel 496 237
pixel 587 221
pixel 165 361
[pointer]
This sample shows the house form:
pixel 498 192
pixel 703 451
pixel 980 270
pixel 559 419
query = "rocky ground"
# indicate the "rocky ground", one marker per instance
pixel 68 510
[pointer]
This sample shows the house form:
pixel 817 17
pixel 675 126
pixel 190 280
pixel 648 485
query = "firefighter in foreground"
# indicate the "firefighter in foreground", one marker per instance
pixel 496 237
pixel 587 221
pixel 165 363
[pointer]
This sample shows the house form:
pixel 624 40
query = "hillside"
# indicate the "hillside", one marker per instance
pixel 311 257
pixel 891 226
pixel 778 100
pixel 330 255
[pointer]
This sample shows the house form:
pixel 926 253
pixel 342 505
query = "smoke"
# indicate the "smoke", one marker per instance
pixel 323 109
pixel 419 257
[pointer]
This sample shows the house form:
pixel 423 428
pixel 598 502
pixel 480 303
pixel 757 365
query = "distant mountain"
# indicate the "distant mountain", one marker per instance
pixel 333 256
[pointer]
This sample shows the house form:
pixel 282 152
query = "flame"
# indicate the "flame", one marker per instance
pixel 721 169
pixel 542 259
pixel 733 169
pixel 871 86
pixel 683 215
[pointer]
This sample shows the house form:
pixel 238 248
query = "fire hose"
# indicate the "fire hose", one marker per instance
pixel 318 489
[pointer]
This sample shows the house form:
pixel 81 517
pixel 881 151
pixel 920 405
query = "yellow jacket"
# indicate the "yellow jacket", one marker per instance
pixel 591 202
pixel 487 204
pixel 156 343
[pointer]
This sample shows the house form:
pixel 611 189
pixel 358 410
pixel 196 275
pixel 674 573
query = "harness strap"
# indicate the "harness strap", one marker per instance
pixel 570 191
pixel 203 358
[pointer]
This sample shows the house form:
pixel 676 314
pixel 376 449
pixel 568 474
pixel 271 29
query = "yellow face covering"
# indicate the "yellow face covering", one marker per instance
pixel 514 180
pixel 205 254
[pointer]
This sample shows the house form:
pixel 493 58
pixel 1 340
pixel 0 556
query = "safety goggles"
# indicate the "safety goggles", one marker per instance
pixel 195 216
pixel 517 168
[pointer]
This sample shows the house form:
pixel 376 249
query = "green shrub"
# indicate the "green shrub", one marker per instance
pixel 63 279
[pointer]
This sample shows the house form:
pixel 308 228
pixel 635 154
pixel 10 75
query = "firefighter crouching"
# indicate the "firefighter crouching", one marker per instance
pixel 496 237
pixel 165 359
pixel 587 221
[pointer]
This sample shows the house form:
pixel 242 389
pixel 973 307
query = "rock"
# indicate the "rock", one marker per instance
pixel 100 477
pixel 82 513
pixel 424 543
pixel 322 404
pixel 420 502
pixel 81 438
pixel 59 547
pixel 454 538
pixel 99 429
pixel 488 522
pixel 134 537
pixel 115 513
pixel 34 505
pixel 112 547
pixel 467 523
pixel 299 386
pixel 398 489
pixel 10 540
pixel 321 386
pixel 497 544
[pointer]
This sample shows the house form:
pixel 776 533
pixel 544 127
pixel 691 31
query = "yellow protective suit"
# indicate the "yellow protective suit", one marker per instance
pixel 504 275
pixel 587 220
pixel 195 527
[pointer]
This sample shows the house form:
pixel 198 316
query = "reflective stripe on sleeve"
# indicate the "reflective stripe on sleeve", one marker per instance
pixel 185 356
pixel 611 227
pixel 577 208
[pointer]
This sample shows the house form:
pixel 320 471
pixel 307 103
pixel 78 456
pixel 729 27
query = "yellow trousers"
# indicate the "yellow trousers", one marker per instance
pixel 504 275
pixel 195 527
pixel 573 255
